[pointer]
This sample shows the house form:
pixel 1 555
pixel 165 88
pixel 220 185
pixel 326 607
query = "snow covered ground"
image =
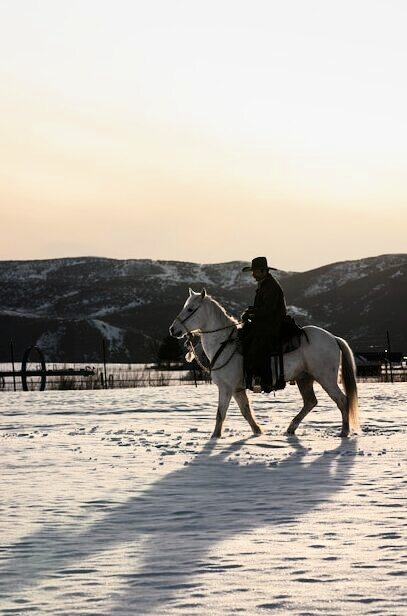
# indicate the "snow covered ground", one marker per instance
pixel 117 503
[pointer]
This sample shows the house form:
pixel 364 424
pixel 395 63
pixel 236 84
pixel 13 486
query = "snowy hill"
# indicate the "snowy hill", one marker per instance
pixel 67 305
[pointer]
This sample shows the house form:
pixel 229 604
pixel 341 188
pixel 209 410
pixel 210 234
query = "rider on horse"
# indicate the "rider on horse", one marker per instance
pixel 263 323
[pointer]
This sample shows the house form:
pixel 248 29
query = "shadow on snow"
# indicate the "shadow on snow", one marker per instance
pixel 170 529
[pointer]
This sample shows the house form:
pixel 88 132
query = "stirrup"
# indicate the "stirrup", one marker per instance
pixel 256 385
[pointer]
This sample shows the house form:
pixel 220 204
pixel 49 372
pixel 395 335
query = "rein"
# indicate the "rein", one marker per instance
pixel 212 331
pixel 229 340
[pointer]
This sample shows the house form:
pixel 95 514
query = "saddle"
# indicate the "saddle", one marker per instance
pixel 291 334
pixel 272 374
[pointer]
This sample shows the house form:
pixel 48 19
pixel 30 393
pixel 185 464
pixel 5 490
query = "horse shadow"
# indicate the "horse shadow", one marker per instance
pixel 169 531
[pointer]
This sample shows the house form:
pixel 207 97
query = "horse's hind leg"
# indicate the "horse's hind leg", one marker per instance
pixel 240 395
pixel 334 391
pixel 223 405
pixel 306 387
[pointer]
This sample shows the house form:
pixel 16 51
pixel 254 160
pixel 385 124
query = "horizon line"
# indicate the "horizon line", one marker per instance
pixel 152 260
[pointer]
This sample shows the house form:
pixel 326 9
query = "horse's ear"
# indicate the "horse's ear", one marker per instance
pixel 203 293
pixel 190 292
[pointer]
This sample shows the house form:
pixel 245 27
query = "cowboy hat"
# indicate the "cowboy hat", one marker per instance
pixel 258 263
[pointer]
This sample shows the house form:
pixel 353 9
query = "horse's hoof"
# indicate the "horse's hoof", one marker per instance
pixel 258 432
pixel 344 434
pixel 214 436
pixel 291 431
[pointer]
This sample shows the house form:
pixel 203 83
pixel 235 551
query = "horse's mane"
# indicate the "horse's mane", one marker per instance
pixel 215 304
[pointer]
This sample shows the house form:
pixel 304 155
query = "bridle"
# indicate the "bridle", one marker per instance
pixel 199 332
pixel 182 321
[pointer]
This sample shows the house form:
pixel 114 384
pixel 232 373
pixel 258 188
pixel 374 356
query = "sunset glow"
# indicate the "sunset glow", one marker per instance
pixel 203 131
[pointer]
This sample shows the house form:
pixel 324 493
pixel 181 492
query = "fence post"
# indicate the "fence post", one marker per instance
pixel 12 363
pixel 104 362
pixel 389 355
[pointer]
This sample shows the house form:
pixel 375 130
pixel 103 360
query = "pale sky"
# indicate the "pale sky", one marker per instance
pixel 203 131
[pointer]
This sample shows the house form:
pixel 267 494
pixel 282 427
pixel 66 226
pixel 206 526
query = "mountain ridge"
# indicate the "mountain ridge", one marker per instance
pixel 66 305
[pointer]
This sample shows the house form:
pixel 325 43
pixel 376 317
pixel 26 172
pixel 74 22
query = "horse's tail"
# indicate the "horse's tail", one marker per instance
pixel 349 382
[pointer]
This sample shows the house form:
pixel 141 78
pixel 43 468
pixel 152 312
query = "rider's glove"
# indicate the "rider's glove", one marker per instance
pixel 248 315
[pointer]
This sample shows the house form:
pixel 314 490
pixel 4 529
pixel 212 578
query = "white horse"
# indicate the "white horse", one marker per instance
pixel 317 359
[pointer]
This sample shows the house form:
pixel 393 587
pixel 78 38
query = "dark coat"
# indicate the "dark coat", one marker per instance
pixel 269 308
pixel 262 330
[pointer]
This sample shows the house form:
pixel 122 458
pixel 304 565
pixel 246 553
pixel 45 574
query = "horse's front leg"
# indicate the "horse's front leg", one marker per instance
pixel 240 395
pixel 223 405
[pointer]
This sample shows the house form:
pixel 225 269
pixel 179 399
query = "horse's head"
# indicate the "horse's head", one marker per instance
pixel 190 317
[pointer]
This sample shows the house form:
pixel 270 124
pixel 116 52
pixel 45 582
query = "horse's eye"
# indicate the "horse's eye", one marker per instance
pixel 189 309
